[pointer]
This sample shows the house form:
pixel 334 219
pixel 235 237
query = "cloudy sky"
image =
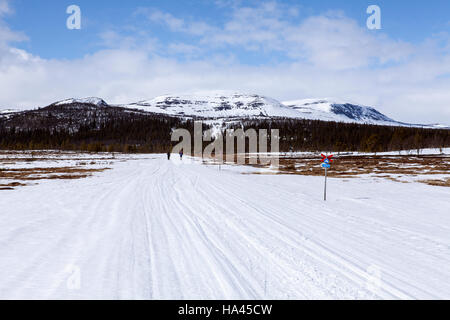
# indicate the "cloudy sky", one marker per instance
pixel 133 50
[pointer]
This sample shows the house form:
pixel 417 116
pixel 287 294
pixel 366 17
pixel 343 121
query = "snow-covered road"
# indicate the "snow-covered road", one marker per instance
pixel 157 229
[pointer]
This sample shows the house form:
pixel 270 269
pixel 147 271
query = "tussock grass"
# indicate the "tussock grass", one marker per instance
pixel 11 186
pixel 10 167
pixel 47 173
pixel 387 167
pixel 437 183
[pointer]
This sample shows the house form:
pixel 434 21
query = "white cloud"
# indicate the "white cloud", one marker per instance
pixel 161 17
pixel 184 49
pixel 328 41
pixel 196 28
pixel 332 57
pixel 5 8
pixel 336 42
pixel 6 34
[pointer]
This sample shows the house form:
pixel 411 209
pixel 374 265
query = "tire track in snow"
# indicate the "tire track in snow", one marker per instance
pixel 153 230
pixel 311 247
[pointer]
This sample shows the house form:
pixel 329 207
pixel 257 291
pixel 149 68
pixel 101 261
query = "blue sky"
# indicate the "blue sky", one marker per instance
pixel 43 21
pixel 286 49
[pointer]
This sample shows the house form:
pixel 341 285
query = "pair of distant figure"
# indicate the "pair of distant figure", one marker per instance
pixel 181 155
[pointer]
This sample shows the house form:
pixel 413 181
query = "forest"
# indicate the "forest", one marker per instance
pixel 314 135
pixel 113 129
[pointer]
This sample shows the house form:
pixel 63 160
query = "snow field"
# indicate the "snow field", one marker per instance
pixel 157 229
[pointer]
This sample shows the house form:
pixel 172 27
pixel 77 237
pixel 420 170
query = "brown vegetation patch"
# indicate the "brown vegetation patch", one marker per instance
pixel 47 173
pixel 388 167
pixel 375 165
pixel 13 160
pixel 396 179
pixel 11 186
pixel 438 183
pixel 79 170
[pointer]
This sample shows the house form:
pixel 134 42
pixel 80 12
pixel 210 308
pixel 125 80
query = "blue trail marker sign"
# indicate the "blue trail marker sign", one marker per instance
pixel 326 164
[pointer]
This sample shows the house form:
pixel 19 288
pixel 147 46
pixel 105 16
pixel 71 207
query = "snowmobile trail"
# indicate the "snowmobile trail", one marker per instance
pixel 158 229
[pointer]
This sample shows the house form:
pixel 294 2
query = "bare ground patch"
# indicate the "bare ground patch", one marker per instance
pixel 47 173
pixel 10 167
pixel 388 167
pixel 437 182
pixel 11 186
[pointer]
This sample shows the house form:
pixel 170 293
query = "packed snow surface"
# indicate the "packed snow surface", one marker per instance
pixel 158 229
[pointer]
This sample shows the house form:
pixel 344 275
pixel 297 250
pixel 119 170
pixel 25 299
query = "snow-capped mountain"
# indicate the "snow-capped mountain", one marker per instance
pixel 226 106
pixel 216 105
pixel 331 110
pixel 4 111
pixel 7 113
pixel 91 100
pixel 339 111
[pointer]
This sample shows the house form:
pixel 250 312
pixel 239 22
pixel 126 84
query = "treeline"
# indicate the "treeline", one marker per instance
pixel 139 134
pixel 314 135
pixel 92 128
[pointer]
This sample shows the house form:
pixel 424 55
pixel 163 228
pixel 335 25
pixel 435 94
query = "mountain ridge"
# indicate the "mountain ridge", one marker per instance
pixel 223 106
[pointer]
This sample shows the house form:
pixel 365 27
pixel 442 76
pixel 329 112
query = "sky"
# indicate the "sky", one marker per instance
pixel 128 51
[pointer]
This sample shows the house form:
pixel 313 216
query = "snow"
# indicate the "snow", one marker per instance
pixel 413 152
pixel 324 109
pixel 227 106
pixel 311 104
pixel 215 104
pixel 339 110
pixel 90 100
pixel 8 111
pixel 157 229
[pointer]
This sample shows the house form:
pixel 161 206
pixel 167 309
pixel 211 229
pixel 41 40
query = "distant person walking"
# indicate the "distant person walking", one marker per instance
pixel 181 155
pixel 168 155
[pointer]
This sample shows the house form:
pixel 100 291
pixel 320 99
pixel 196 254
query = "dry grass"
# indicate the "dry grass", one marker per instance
pixel 47 173
pixel 387 167
pixel 36 174
pixel 439 183
pixel 11 157
pixel 13 160
pixel 379 165
pixel 10 167
pixel 11 186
